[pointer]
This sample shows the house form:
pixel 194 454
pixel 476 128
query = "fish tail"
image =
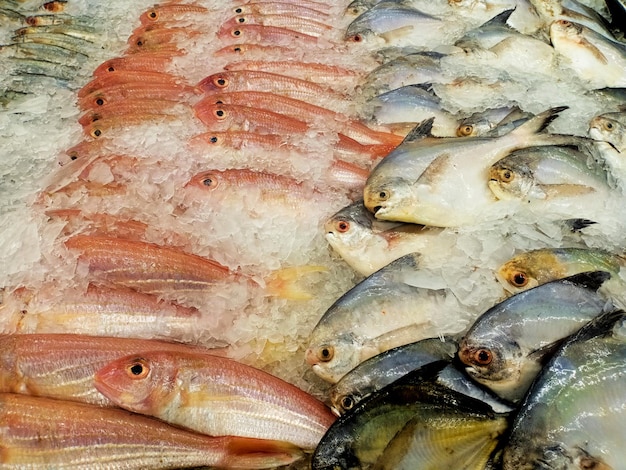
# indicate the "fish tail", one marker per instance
pixel 284 282
pixel 246 452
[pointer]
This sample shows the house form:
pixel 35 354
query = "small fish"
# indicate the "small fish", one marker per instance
pixel 420 181
pixel 170 13
pixel 483 123
pixel 62 366
pixel 159 39
pixel 409 105
pixel 176 92
pixel 148 62
pixel 383 311
pixel 384 368
pixel 530 269
pixel 283 8
pixel 128 77
pixel 399 25
pixel 573 415
pixel 87 33
pixel 295 23
pixel 99 311
pixel 111 125
pixel 134 107
pixel 251 80
pixel 414 422
pixel 152 268
pixel 266 35
pixel 548 173
pixel 312 114
pixel 74 44
pixel 42 432
pixel 597 60
pixel 204 393
pixel 368 244
pixel 508 344
pixel 255 50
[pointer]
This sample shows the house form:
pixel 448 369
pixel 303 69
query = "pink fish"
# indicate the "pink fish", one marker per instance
pixel 215 396
pixel 63 365
pixel 46 433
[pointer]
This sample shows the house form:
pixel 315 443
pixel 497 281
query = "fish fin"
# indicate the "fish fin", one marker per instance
pixel 420 131
pixel 541 355
pixel 397 33
pixel 404 335
pixel 434 170
pixel 565 190
pixel 500 19
pixel 283 282
pixel 245 452
pixel 428 443
pixel 538 123
pixel 576 225
pixel 602 325
pixel 591 279
pixel 595 51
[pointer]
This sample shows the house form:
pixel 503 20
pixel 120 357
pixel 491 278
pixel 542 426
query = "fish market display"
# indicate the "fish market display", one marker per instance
pixel 300 207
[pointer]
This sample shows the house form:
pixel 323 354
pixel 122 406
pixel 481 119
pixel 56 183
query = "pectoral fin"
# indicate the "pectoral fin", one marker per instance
pixel 565 190
pixel 434 170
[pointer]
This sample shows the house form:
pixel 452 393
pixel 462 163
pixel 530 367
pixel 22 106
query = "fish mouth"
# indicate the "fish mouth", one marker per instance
pixel 376 209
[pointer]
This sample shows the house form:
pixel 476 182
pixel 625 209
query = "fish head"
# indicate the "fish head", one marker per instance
pixel 608 129
pixel 343 401
pixel 216 82
pixel 349 226
pixel 493 359
pixel 528 270
pixel 389 198
pixel 565 30
pixel 332 357
pixel 217 116
pixel 508 181
pixel 136 382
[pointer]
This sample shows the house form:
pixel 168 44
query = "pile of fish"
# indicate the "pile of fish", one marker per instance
pixel 383 234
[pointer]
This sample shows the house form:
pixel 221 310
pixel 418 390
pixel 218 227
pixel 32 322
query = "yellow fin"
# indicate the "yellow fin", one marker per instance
pixel 283 282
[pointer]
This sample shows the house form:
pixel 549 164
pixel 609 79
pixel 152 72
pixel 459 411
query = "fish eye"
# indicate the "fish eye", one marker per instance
pixel 96 132
pixel 238 10
pixel 210 181
pixel 483 357
pixel 464 131
pixel 236 32
pixel 111 69
pixel 342 226
pixel 213 140
pixel 383 195
pixel 608 125
pixel 506 176
pixel 347 402
pixel 519 279
pixel 220 82
pixel 241 19
pixel 99 101
pixel 325 353
pixel 138 369
pixel 237 49
pixel 153 15
pixel 357 38
pixel 220 114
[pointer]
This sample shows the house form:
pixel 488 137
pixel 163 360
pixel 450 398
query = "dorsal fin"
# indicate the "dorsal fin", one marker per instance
pixel 539 122
pixel 500 19
pixel 420 131
pixel 591 279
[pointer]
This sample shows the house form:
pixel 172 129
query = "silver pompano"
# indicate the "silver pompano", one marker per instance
pixel 383 311
pixel 610 127
pixel 574 416
pixel 551 173
pixel 505 347
pixel 442 181
pixel 368 244
pixel 597 60
pixel 382 369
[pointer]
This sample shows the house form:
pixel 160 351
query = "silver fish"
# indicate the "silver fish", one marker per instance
pixel 383 311
pixel 441 182
pixel 598 61
pixel 611 128
pixel 504 349
pixel 483 123
pixel 549 173
pixel 573 416
pixel 414 422
pixel 382 369
pixel 368 244
pixel 409 105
